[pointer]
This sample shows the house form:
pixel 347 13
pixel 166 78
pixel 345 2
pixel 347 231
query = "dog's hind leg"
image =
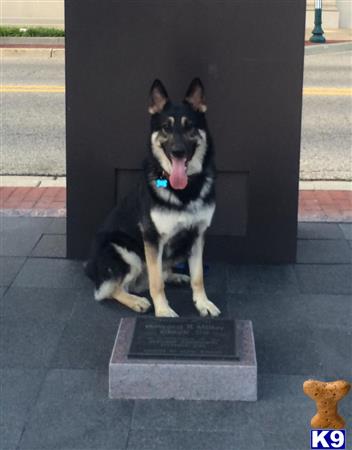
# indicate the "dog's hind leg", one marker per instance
pixel 176 278
pixel 138 304
pixel 121 294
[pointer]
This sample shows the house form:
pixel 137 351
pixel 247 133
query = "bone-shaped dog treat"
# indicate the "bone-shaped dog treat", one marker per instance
pixel 326 396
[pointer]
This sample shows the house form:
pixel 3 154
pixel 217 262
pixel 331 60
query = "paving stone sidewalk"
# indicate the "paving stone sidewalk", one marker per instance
pixel 314 204
pixel 56 342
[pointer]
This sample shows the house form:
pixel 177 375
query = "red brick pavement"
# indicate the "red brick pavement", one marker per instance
pixel 33 201
pixel 335 206
pixel 328 41
pixel 314 205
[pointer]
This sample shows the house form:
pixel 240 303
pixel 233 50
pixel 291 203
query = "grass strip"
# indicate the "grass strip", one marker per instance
pixel 31 32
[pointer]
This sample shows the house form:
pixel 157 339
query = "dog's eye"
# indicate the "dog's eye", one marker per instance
pixel 187 124
pixel 167 127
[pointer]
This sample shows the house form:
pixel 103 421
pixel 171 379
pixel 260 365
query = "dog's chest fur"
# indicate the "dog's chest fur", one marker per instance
pixel 169 222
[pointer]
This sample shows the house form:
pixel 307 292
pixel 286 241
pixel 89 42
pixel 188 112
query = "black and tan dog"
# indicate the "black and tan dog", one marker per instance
pixel 162 222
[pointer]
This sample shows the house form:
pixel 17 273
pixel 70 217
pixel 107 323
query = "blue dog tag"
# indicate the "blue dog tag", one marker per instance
pixel 161 183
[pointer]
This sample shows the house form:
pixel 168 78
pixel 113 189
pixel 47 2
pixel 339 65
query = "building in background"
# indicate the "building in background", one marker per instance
pixel 47 13
pixel 336 13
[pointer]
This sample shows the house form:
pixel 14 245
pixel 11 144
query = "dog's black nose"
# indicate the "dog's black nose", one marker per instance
pixel 178 153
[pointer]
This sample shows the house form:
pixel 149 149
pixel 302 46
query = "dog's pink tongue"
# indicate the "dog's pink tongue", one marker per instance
pixel 178 177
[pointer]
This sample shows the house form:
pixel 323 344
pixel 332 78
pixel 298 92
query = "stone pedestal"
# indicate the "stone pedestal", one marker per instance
pixel 189 379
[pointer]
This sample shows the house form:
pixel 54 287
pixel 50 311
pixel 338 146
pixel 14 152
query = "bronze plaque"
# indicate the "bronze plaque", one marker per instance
pixel 184 338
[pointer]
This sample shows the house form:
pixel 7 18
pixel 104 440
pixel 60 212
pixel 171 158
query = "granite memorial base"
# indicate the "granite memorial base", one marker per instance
pixel 184 359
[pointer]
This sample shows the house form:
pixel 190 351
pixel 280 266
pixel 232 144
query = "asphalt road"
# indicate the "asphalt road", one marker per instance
pixel 33 123
pixel 326 144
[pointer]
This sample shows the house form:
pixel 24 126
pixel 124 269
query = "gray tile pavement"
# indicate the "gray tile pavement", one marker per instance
pixel 323 251
pixel 19 235
pixel 281 404
pixel 89 334
pixel 215 278
pixel 56 341
pixel 293 333
pixel 188 415
pixel 28 343
pixel 52 273
pixel 39 303
pixel 25 225
pixel 9 268
pixel 261 279
pixel 50 246
pixel 324 279
pixel 347 230
pixel 57 226
pixel 313 230
pixel 73 411
pixel 310 310
pixel 19 392
pixel 196 440
pixel 300 350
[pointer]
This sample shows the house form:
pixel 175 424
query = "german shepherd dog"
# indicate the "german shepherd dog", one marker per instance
pixel 163 221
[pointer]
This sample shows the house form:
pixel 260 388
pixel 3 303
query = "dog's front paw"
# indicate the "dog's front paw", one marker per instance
pixel 165 311
pixel 206 307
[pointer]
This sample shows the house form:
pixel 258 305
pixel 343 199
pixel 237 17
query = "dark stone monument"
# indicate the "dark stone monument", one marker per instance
pixel 249 55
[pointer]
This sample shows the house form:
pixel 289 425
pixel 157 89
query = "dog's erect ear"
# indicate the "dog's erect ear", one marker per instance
pixel 158 97
pixel 195 95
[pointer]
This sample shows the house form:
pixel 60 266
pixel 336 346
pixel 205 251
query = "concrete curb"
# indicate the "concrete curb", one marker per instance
pixel 319 49
pixel 51 41
pixel 33 52
pixel 32 212
pixel 31 181
pixel 325 185
pixel 49 47
pixel 50 181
